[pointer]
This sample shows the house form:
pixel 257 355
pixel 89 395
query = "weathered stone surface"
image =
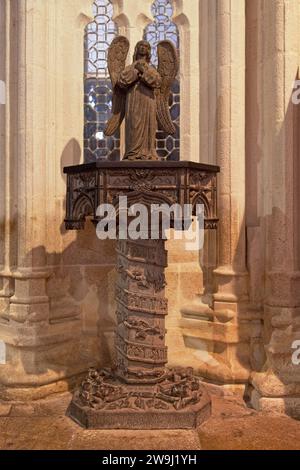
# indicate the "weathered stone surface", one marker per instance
pixel 235 427
pixel 231 426
pixel 103 402
pixel 259 158
pixel 61 433
pixel 5 409
pixel 141 94
pixel 139 387
pixel 139 393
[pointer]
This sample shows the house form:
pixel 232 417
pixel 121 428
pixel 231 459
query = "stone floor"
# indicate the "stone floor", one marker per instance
pixel 231 426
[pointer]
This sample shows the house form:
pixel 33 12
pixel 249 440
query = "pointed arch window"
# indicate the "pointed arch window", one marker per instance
pixel 97 86
pixel 162 28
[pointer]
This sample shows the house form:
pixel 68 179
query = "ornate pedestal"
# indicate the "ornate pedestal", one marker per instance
pixel 138 392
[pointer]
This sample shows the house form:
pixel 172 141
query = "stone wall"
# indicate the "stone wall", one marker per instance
pixel 41 313
pixel 272 212
pixel 56 287
pixel 234 306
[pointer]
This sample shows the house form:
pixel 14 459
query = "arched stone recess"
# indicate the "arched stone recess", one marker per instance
pixel 132 17
pixel 133 21
pixel 43 132
pixel 224 337
pixel 7 186
pixel 98 35
pixel 273 212
pixel 208 79
pixel 161 28
pixel 186 18
pixel 231 299
pixel 122 23
pixel 111 17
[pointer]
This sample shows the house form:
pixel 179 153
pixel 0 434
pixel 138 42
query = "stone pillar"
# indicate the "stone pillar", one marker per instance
pixel 187 271
pixel 7 254
pixel 241 319
pixel 132 20
pixel 42 78
pixel 185 274
pixel 231 274
pixel 186 17
pixel 222 336
pixel 141 310
pixel 139 392
pixel 184 295
pixel 277 387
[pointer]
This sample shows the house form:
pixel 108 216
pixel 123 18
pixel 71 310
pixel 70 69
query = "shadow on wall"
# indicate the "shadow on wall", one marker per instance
pixel 273 245
pixel 71 155
pixel 273 224
pixel 260 336
pixel 271 331
pixel 282 301
pixel 81 295
pixel 247 345
pixel 78 332
pixel 82 309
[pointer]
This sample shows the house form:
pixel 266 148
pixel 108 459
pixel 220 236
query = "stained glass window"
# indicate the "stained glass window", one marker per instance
pixel 162 28
pixel 97 87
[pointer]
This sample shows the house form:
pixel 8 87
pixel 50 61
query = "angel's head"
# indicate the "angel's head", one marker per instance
pixel 142 51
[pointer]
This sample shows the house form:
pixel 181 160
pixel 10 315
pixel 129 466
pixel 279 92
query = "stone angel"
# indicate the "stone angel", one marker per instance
pixel 141 95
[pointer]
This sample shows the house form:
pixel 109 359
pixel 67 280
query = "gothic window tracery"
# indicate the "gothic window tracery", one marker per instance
pixel 162 28
pixel 97 87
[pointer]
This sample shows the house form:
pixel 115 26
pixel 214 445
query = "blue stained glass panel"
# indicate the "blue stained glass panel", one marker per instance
pixel 97 87
pixel 98 96
pixel 162 28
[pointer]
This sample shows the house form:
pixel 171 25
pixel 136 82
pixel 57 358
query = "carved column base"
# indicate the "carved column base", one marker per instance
pixel 104 402
pixel 139 392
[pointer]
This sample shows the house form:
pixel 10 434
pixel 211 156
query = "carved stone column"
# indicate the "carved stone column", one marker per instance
pixel 231 274
pixel 141 311
pixel 139 391
pixel 33 143
pixel 277 386
pixel 237 322
pixel 220 329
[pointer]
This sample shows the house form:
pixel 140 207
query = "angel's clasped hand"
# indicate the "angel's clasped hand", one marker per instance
pixel 140 67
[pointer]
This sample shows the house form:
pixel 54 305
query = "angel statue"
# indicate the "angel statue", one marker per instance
pixel 141 95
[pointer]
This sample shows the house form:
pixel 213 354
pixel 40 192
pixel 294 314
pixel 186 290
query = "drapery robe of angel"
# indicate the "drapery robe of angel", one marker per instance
pixel 140 117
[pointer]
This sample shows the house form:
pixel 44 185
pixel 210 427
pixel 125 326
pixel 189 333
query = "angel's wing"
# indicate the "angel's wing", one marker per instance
pixel 117 54
pixel 167 67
